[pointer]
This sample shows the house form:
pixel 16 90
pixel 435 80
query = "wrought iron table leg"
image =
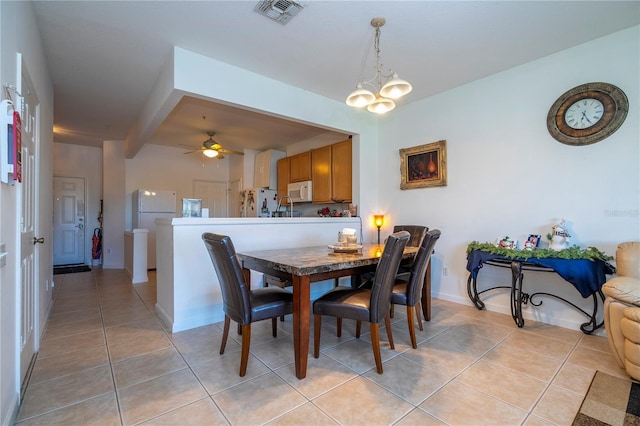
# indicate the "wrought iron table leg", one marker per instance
pixel 516 293
pixel 592 325
pixel 472 291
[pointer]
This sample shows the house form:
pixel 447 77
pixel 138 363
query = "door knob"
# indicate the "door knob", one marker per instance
pixel 38 240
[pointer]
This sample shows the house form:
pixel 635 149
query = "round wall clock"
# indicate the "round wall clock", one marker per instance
pixel 587 113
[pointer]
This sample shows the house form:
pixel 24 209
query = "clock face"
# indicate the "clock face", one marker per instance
pixel 584 113
pixel 587 114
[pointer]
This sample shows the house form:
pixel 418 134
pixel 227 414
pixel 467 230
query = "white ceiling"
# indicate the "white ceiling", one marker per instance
pixel 104 56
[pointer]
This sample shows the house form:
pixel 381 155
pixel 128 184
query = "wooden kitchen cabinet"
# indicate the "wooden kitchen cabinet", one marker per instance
pixel 283 176
pixel 300 167
pixel 321 174
pixel 331 172
pixel 341 171
pixel 266 166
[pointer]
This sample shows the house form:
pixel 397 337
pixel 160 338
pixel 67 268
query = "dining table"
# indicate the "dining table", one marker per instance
pixel 302 266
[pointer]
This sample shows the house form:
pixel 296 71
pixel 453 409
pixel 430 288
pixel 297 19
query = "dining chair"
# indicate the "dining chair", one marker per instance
pixel 417 234
pixel 360 304
pixel 240 303
pixel 408 291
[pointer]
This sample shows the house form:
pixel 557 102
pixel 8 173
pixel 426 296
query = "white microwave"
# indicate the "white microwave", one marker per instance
pixel 299 191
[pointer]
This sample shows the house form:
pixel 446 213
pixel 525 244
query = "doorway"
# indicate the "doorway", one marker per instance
pixel 235 204
pixel 213 195
pixel 68 221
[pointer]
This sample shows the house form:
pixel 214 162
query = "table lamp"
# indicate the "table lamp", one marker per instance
pixel 378 220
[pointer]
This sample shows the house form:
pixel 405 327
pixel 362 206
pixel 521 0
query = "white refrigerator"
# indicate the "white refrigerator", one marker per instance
pixel 149 205
pixel 258 202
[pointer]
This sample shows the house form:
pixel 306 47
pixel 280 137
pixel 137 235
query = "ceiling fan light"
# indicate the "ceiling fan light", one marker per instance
pixel 381 105
pixel 396 88
pixel 360 97
pixel 211 153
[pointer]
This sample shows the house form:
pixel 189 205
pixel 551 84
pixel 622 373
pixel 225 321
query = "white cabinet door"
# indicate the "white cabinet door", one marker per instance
pixel 266 170
pixel 261 178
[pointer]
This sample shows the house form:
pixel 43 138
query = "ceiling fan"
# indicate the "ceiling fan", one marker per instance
pixel 213 149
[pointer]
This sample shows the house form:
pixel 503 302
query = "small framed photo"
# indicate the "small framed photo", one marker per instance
pixel 191 207
pixel 533 242
pixel 424 166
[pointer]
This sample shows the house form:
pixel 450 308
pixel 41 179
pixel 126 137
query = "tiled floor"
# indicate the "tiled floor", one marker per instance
pixel 106 359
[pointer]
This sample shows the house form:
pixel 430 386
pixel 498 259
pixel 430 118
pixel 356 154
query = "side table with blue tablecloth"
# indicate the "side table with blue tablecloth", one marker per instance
pixel 586 275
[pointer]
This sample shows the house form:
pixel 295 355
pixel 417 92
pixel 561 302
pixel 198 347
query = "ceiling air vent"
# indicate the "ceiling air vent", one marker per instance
pixel 278 10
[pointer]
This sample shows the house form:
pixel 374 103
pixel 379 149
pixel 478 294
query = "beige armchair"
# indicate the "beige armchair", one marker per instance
pixel 622 309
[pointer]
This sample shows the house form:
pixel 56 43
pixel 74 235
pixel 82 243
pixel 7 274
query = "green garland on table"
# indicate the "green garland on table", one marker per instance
pixel 574 252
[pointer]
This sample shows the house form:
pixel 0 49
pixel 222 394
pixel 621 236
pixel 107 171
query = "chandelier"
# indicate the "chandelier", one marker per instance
pixel 386 86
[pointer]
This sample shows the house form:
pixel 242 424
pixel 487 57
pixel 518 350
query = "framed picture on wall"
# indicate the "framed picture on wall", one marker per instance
pixel 424 166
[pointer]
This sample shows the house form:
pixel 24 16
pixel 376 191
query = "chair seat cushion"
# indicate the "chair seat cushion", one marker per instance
pixel 399 294
pixel 344 302
pixel 624 289
pixel 270 302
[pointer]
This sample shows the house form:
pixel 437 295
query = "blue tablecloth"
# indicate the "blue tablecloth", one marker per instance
pixel 586 275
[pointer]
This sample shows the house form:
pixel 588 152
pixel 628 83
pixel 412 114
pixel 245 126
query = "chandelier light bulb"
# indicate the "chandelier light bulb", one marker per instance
pixel 360 97
pixel 211 153
pixel 396 88
pixel 381 105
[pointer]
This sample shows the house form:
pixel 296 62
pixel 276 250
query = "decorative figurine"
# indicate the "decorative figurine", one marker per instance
pixel 559 237
pixel 507 243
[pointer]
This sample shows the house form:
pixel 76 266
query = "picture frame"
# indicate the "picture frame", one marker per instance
pixel 191 207
pixel 424 166
pixel 534 240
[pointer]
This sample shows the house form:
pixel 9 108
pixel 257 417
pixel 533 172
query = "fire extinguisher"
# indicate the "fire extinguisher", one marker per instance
pixel 96 250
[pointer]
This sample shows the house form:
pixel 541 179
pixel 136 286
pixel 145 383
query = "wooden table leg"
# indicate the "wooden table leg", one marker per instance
pixel 301 316
pixel 426 294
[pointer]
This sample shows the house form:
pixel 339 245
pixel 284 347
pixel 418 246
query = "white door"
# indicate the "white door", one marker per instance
pixel 68 220
pixel 29 114
pixel 234 208
pixel 213 195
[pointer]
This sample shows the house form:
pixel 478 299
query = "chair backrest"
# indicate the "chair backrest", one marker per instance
pixel 417 233
pixel 419 267
pixel 236 297
pixel 385 277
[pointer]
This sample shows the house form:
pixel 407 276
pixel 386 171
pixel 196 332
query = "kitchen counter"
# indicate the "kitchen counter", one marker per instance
pixel 180 221
pixel 188 288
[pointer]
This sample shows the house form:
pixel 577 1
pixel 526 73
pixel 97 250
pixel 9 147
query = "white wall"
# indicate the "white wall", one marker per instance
pixel 160 167
pixel 19 34
pixel 82 162
pixel 114 177
pixel 508 176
